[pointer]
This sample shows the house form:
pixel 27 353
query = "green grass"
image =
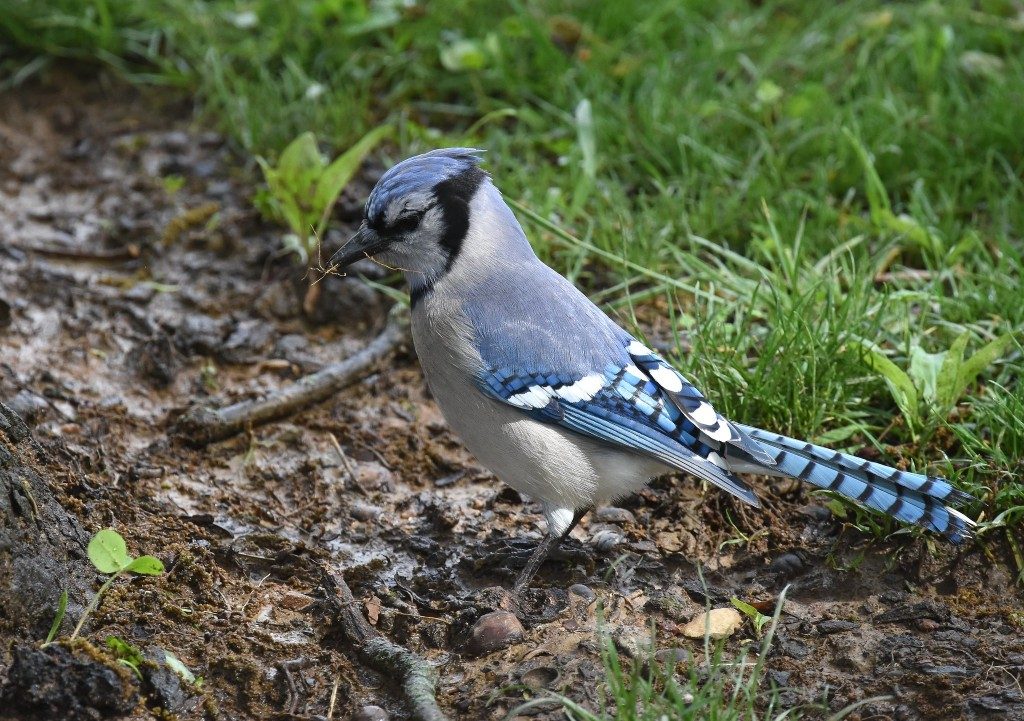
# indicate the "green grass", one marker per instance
pixel 790 179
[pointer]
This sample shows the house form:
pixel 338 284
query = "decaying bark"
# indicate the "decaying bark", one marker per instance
pixel 42 547
pixel 202 424
pixel 415 675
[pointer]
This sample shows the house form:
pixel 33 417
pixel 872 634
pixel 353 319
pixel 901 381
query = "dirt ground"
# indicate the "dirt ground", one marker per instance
pixel 136 279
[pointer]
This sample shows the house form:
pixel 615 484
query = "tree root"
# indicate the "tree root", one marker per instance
pixel 202 425
pixel 416 677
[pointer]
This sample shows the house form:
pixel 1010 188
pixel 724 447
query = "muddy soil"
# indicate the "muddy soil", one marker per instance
pixel 136 279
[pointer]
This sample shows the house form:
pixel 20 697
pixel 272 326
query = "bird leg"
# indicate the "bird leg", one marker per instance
pixel 546 548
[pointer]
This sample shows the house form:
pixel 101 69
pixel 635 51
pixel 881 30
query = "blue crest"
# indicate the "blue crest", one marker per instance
pixel 420 172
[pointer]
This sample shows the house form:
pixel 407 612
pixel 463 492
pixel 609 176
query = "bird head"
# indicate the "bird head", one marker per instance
pixel 418 214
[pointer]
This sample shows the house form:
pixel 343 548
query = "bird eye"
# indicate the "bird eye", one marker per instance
pixel 406 224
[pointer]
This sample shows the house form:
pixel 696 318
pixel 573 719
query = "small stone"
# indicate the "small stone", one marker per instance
pixel 927 625
pixel 584 592
pixel 787 563
pixel 634 643
pixel 371 713
pixel 611 514
pixel 827 628
pixel 816 512
pixel 372 476
pixel 606 540
pixel 364 512
pixel 672 656
pixel 494 631
pixel 669 542
pixel 540 677
pixel 717 623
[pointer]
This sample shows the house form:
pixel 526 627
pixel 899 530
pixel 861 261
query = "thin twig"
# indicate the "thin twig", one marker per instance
pixel 334 698
pixel 202 424
pixel 415 675
pixel 114 255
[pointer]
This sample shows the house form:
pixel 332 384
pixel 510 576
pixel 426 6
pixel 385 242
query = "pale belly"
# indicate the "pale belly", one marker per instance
pixel 562 469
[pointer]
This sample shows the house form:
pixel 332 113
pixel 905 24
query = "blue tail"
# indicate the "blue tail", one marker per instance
pixel 908 497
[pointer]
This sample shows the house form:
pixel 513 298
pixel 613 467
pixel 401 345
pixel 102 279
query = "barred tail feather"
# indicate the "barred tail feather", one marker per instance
pixel 909 497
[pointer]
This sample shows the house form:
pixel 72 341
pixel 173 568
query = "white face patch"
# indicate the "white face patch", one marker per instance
pixel 638 348
pixel 667 379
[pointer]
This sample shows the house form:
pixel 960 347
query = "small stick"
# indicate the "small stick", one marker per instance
pixel 202 424
pixel 115 255
pixel 415 675
pixel 334 698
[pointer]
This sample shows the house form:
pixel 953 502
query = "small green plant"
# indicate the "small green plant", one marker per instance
pixel 109 554
pixel 756 617
pixel 126 654
pixel 304 187
pixel 62 607
pixel 933 383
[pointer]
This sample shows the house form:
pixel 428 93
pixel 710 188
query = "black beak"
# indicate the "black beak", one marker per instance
pixel 363 244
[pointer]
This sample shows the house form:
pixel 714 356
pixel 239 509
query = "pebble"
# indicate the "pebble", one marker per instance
pixel 826 628
pixel 816 513
pixel 611 514
pixel 364 512
pixel 494 631
pixel 786 563
pixel 371 713
pixel 718 623
pixel 372 476
pixel 672 656
pixel 584 592
pixel 633 642
pixel 540 677
pixel 606 540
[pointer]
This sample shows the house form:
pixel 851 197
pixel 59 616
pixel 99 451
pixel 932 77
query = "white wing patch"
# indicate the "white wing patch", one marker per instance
pixel 667 379
pixel 636 348
pixel 535 397
pixel 704 414
pixel 540 396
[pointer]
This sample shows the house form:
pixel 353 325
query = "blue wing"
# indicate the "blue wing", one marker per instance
pixel 621 406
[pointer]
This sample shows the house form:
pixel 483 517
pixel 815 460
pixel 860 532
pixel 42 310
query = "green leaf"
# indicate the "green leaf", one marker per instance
pixel 175 664
pixel 923 370
pixel 756 617
pixel 62 606
pixel 300 162
pixel 900 385
pixel 837 508
pixel 878 198
pixel 127 655
pixel 108 552
pixel 338 174
pixel 146 565
pixel 986 356
pixel 947 392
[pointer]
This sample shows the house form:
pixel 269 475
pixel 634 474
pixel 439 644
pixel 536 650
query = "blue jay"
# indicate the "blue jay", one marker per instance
pixel 550 394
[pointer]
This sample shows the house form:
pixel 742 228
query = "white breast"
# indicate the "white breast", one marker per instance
pixel 562 469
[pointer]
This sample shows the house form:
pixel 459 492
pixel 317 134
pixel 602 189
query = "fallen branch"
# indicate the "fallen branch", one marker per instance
pixel 202 424
pixel 415 675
